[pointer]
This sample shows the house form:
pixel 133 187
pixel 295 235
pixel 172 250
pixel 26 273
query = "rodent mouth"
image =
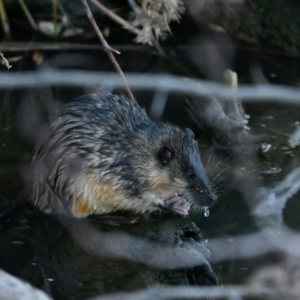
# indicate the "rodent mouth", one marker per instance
pixel 177 204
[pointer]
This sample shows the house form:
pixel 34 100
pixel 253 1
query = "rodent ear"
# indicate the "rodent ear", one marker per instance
pixel 190 133
pixel 166 154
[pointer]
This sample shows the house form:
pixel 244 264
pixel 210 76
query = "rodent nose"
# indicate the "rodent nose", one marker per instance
pixel 212 197
pixel 209 196
pixel 202 185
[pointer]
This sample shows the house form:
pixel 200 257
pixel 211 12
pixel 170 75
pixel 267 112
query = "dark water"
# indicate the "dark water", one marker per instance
pixel 22 116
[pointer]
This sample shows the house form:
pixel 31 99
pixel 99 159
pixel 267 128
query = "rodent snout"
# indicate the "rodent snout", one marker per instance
pixel 212 198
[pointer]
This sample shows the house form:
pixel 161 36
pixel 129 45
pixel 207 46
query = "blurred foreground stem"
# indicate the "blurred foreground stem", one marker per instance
pixel 4 21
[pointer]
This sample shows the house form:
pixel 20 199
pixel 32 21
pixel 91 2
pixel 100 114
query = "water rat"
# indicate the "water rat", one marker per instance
pixel 104 154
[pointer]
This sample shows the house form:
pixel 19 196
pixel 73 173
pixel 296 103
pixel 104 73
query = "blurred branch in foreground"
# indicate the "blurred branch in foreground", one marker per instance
pixel 167 83
pixel 259 243
pixel 13 288
pixel 98 243
pixel 278 239
pixel 272 202
pixel 153 254
pixel 161 292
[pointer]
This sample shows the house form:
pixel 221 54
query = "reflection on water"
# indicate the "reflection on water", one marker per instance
pixel 78 259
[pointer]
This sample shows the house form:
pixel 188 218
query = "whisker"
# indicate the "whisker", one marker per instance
pixel 218 175
pixel 208 161
pixel 193 207
pixel 220 163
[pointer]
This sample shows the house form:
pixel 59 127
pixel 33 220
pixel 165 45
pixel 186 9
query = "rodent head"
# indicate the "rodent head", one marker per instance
pixel 178 174
pixel 104 154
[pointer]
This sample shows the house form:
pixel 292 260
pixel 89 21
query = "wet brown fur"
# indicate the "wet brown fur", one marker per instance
pixel 103 155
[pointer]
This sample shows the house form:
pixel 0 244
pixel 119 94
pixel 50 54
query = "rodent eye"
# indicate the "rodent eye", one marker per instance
pixel 190 133
pixel 191 174
pixel 166 154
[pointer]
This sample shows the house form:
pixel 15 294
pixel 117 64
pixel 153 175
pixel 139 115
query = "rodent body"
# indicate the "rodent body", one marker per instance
pixel 104 154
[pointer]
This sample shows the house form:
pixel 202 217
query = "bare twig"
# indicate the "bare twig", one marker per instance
pixel 5 61
pixel 156 255
pixel 126 25
pixel 168 83
pixel 54 46
pixel 115 17
pixel 54 15
pixel 268 240
pixel 4 20
pixel 28 15
pixel 274 201
pixel 185 292
pixel 107 48
pixel 12 288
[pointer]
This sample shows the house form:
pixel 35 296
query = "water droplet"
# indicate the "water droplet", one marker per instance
pixel 206 212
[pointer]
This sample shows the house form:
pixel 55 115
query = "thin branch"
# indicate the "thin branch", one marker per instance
pixel 188 292
pixel 272 202
pixel 54 46
pixel 5 61
pixel 13 288
pixel 153 254
pixel 168 83
pixel 102 244
pixel 126 25
pixel 107 48
pixel 54 15
pixel 4 20
pixel 28 15
pixel 115 17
